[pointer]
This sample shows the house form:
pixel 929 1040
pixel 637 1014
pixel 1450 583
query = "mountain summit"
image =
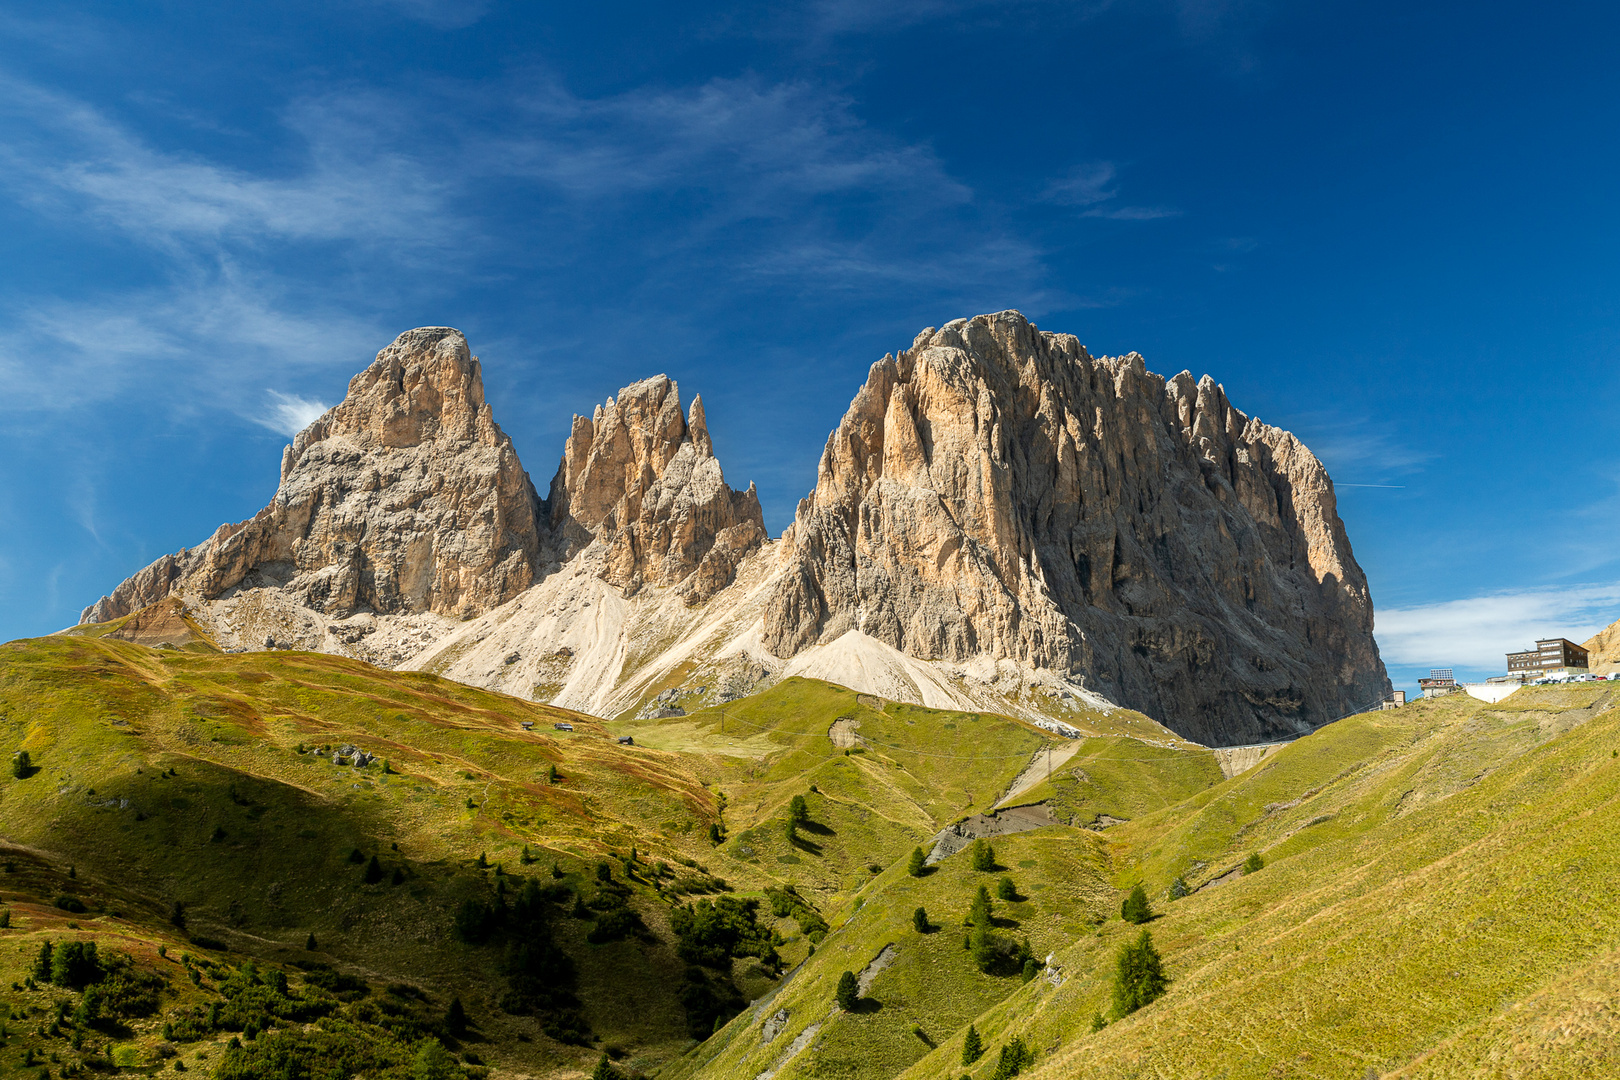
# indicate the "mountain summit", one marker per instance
pixel 1000 521
pixel 996 492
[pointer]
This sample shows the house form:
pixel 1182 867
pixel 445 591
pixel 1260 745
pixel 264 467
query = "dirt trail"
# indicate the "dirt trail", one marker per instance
pixel 1045 762
pixel 871 971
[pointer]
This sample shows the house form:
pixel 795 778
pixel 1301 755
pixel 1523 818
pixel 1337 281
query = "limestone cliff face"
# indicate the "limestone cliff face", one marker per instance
pixel 996 491
pixel 643 480
pixel 406 497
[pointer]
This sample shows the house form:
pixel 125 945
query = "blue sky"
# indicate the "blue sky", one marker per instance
pixel 1390 230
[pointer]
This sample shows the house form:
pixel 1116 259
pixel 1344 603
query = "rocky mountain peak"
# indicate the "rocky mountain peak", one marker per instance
pixel 424 387
pixel 996 491
pixel 405 497
pixel 642 479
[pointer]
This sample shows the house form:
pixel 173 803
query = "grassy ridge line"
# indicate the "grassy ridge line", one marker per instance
pixel 1370 948
pixel 874 805
pixel 177 772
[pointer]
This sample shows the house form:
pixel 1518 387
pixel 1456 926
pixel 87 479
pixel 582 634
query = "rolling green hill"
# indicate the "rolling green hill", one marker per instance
pixel 1437 893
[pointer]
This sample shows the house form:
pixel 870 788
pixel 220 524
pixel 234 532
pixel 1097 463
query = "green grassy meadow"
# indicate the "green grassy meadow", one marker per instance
pixel 1438 894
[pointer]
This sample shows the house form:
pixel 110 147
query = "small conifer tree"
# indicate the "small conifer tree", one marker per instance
pixel 551 774
pixel 309 943
pixel 979 913
pixel 455 1017
pixel 981 856
pixel 1139 977
pixel 982 947
pixel 972 1046
pixel 1253 863
pixel 798 810
pixel 1031 969
pixel 399 876
pixel 177 915
pixel 1136 909
pixel 1015 1058
pixel 791 831
pixel 604 1070
pixel 917 863
pixel 42 963
pixel 919 920
pixel 433 1062
pixel 526 858
pixel 1006 890
pixel 1178 888
pixel 849 991
pixel 374 871
pixel 22 766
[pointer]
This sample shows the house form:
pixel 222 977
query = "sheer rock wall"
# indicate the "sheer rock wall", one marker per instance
pixel 995 490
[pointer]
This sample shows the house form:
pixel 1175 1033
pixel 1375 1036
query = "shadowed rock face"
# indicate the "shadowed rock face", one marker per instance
pixel 405 497
pixel 644 481
pixel 996 491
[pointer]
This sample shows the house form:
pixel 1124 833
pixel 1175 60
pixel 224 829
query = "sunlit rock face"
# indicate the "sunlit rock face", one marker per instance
pixel 641 478
pixel 405 497
pixel 997 491
pixel 1000 521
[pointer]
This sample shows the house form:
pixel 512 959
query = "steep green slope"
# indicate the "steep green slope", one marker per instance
pixel 1438 898
pixel 164 777
pixel 878 778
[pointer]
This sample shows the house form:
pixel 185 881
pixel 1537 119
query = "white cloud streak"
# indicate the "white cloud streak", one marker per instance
pixel 63 155
pixel 1480 631
pixel 290 414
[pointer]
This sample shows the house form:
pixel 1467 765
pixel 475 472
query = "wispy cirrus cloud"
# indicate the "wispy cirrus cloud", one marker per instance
pixel 66 157
pixel 1478 632
pixel 1362 451
pixel 775 181
pixel 1094 186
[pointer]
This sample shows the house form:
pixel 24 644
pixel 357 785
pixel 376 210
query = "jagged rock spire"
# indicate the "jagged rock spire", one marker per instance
pixel 644 481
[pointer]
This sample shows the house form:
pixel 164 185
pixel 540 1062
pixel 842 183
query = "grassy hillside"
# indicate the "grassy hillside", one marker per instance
pixel 165 777
pixel 1438 899
pixel 907 772
pixel 1437 896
